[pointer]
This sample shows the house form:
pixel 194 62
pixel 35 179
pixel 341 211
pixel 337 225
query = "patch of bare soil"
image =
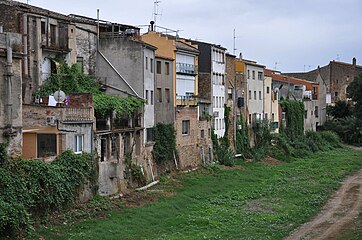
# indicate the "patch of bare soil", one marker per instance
pixel 340 212
pixel 271 161
pixel 236 167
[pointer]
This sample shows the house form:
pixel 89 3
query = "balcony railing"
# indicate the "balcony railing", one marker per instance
pixel 185 68
pixel 78 115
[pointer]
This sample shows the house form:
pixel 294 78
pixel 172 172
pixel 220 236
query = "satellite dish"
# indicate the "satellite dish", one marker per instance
pixel 276 90
pixel 59 96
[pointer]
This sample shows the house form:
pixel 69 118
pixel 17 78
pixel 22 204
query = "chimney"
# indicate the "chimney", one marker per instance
pixel 152 26
pixel 354 61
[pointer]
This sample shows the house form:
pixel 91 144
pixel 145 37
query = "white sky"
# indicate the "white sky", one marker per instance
pixel 297 34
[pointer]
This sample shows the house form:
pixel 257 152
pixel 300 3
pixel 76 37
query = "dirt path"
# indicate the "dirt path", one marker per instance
pixel 340 211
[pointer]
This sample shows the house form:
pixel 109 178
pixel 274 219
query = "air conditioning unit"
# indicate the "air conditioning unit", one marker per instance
pixel 51 120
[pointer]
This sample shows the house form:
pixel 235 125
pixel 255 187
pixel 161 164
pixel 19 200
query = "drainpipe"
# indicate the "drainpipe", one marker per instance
pixel 97 44
pixel 26 70
pixel 8 76
pixel 234 106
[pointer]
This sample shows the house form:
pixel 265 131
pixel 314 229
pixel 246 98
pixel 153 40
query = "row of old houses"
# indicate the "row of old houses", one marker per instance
pixel 183 82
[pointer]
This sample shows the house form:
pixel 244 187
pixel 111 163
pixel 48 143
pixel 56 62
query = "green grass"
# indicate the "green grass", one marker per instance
pixel 262 202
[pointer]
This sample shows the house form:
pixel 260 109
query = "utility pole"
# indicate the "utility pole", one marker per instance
pixel 234 49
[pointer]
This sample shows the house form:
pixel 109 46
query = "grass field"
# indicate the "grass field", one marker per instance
pixel 252 201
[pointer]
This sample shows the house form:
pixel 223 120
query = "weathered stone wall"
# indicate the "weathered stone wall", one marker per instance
pixel 86 41
pixel 11 118
pixel 187 144
pixel 341 76
pixel 204 85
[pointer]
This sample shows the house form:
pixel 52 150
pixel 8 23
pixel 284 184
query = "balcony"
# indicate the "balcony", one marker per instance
pixel 186 69
pixel 78 114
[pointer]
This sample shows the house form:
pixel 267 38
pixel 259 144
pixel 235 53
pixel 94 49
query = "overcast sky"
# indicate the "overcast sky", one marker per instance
pixel 298 35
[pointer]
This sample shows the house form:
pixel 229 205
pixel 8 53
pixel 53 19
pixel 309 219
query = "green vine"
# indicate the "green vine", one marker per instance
pixel 165 143
pixel 242 145
pixel 294 111
pixel 73 80
pixel 32 188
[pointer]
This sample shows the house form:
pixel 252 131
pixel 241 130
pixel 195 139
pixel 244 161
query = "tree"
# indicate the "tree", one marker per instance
pixel 355 92
pixel 341 109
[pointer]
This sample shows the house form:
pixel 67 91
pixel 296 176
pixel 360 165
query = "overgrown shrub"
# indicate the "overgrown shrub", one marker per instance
pixel 165 143
pixel 34 188
pixel 349 129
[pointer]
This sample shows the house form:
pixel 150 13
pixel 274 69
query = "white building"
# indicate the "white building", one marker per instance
pixel 218 89
pixel 255 93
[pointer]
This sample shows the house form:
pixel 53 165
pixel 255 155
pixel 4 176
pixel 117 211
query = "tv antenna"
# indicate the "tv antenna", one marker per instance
pixel 155 10
pixel 276 64
pixel 308 66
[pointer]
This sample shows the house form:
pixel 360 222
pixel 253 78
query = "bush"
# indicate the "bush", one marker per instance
pixel 226 156
pixel 32 187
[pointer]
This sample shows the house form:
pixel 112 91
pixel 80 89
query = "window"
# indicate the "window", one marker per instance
pixel 146 62
pixel 336 94
pixel 267 90
pixel 146 96
pixel 151 97
pixel 254 95
pixel 150 134
pixel 316 111
pixel 114 149
pixel 167 93
pixel 80 62
pixel 305 114
pixel 260 75
pixel 78 143
pixel 259 95
pixel 43 28
pixel 158 67
pixel 209 132
pixel 159 94
pixel 230 93
pixel 249 118
pixel 53 34
pixel 248 74
pixel 167 68
pixel 253 74
pixel 151 65
pixel 202 133
pixel 185 127
pixel 266 116
pixel 273 117
pixel 249 94
pixel 46 145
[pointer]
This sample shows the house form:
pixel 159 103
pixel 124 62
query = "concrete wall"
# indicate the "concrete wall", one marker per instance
pixel 149 85
pixel 311 120
pixel 126 56
pixel 164 111
pixel 271 103
pixel 255 87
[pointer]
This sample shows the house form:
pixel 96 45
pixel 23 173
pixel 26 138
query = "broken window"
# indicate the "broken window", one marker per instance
pixel 46 145
pixel 103 149
pixel 43 27
pixel 114 147
pixel 53 34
